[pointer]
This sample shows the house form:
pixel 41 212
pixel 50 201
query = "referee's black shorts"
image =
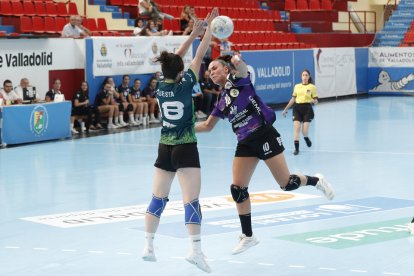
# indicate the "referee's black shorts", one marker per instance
pixel 263 144
pixel 303 112
pixel 174 157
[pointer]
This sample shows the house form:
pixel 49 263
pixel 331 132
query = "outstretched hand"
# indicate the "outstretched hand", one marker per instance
pixel 210 16
pixel 198 28
pixel 284 113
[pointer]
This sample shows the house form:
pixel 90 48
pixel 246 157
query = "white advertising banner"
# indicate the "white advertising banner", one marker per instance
pixel 391 57
pixel 335 72
pixel 133 55
pixel 34 58
pixel 390 70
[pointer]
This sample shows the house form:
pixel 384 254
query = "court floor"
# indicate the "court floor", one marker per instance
pixel 76 207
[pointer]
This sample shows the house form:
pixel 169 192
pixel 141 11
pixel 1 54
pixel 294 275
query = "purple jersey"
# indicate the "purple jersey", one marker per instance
pixel 243 108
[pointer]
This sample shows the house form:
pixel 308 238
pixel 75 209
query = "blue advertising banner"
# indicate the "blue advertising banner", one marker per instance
pixel 35 122
pixel 273 72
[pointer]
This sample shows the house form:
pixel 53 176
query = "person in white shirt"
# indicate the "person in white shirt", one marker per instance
pixel 9 96
pixel 26 92
pixel 75 29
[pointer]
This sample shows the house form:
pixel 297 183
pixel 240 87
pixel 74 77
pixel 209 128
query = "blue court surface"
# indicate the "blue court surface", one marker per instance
pixel 76 207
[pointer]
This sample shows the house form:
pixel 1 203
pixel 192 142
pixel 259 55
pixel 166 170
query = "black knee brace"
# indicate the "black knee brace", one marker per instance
pixel 239 194
pixel 294 183
pixel 121 107
pixel 130 107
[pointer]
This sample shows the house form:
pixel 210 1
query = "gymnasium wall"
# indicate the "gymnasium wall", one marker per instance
pixel 336 71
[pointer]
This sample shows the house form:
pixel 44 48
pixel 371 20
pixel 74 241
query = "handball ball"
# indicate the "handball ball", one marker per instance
pixel 222 27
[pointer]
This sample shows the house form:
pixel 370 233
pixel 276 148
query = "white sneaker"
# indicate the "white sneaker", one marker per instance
pixel 325 187
pixel 112 126
pixel 138 122
pixel 74 131
pixel 154 121
pixel 148 255
pixel 411 228
pixel 244 244
pixel 117 125
pixel 123 124
pixel 199 260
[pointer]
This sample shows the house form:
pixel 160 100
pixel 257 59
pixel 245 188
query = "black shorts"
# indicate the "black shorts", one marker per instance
pixel 171 158
pixel 263 144
pixel 303 112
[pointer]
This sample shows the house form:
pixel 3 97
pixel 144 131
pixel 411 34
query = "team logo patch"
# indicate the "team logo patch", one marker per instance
pixel 233 110
pixel 234 93
pixel 228 85
pixel 227 99
pixel 39 120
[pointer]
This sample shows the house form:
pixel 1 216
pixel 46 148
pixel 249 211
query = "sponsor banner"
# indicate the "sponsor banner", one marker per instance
pixel 292 215
pixel 358 235
pixel 402 57
pixel 133 55
pixel 335 71
pixel 35 122
pixel 34 58
pixel 128 213
pixel 390 70
pixel 272 74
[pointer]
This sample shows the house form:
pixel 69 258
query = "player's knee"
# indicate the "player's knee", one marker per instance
pixel 293 184
pixel 130 108
pixel 192 212
pixel 239 194
pixel 157 206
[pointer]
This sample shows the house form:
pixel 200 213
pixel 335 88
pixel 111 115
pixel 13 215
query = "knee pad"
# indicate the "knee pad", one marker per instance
pixel 192 212
pixel 157 206
pixel 293 184
pixel 130 107
pixel 121 107
pixel 239 194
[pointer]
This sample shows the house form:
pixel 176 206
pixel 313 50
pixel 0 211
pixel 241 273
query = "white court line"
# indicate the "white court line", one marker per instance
pixel 96 251
pixel 296 266
pixel 232 148
pixel 123 253
pixel 327 268
pixel 391 273
pixel 12 247
pixel 265 264
pixel 236 262
pixel 40 248
pixel 358 271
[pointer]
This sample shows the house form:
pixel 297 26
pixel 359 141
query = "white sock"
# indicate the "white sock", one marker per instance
pixel 116 120
pixel 149 239
pixel 121 119
pixel 195 243
pixel 136 116
pixel 131 118
pixel 140 117
pixel 152 116
pixel 110 121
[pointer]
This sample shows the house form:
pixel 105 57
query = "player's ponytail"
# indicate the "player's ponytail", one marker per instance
pixel 171 64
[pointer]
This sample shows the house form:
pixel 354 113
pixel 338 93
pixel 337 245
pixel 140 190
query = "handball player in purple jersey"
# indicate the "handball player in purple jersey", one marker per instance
pixel 251 121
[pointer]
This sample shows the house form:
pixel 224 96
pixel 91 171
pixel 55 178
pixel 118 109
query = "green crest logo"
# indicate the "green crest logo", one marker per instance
pixel 39 120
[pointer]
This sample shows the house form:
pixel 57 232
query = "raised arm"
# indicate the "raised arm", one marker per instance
pixel 205 43
pixel 240 65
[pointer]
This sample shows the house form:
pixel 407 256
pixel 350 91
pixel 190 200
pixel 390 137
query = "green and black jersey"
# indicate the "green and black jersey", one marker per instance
pixel 177 110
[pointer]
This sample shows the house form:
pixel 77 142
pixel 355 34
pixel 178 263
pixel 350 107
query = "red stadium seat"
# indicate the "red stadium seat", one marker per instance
pixel 72 9
pixel 40 8
pixel 26 25
pixel 314 5
pixel 17 8
pixel 51 9
pixel 302 5
pixel 38 24
pixel 61 9
pixel 326 5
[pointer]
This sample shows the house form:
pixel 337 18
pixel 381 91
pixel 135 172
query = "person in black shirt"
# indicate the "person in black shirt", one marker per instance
pixel 82 108
pixel 124 91
pixel 210 92
pixel 104 101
